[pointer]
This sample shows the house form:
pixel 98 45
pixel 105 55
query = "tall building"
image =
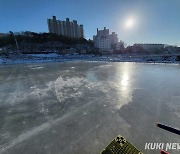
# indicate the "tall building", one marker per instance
pixel 105 41
pixel 65 28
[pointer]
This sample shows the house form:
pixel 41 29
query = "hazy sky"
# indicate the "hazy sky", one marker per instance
pixel 156 21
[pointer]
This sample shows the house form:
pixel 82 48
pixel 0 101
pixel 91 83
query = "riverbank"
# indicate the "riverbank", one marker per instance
pixel 44 58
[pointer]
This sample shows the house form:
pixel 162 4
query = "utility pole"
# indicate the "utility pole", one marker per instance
pixel 15 41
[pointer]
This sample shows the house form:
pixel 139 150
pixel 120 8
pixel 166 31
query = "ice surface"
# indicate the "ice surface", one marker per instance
pixel 79 107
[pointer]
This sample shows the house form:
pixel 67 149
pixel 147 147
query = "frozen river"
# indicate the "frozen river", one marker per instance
pixel 79 107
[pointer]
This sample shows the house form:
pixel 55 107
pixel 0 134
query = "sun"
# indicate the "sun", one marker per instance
pixel 129 23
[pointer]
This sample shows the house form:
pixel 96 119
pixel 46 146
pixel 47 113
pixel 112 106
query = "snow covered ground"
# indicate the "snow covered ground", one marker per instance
pixel 43 58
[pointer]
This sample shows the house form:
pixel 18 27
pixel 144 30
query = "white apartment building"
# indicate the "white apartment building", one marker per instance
pixel 104 41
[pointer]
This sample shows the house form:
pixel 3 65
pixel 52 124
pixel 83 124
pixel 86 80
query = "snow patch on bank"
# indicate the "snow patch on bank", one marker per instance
pixel 37 67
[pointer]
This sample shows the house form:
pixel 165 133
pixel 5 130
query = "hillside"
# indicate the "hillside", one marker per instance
pixel 30 42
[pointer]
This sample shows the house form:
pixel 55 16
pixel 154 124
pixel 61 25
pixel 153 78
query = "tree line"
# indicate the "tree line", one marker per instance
pixel 32 37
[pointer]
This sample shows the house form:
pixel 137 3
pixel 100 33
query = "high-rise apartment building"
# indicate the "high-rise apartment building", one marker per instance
pixel 65 28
